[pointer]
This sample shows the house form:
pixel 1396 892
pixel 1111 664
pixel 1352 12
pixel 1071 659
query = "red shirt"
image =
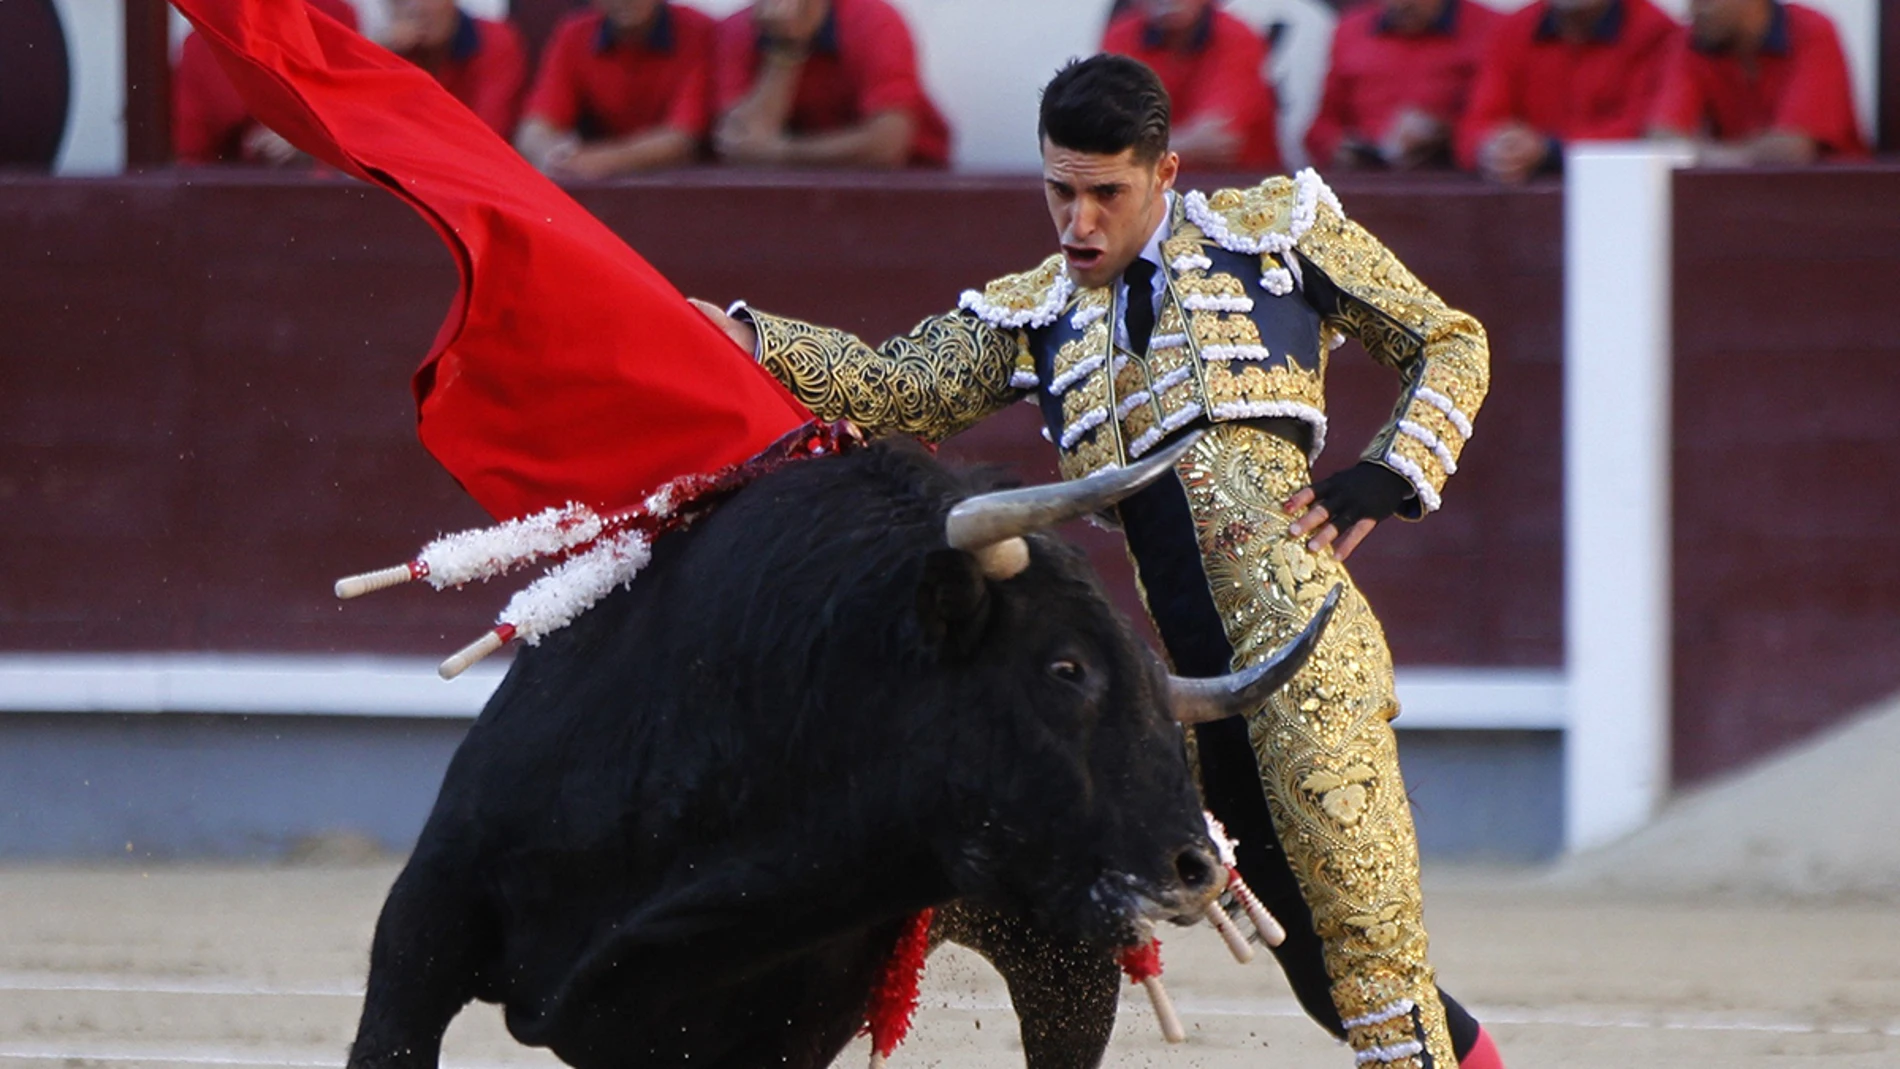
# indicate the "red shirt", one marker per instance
pixel 484 67
pixel 1218 75
pixel 209 119
pixel 1800 85
pixel 1376 73
pixel 1601 89
pixel 862 63
pixel 599 84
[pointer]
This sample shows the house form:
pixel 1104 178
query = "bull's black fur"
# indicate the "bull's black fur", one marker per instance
pixel 687 827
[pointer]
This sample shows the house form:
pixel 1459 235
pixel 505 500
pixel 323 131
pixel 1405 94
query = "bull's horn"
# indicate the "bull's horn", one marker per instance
pixel 1197 701
pixel 992 525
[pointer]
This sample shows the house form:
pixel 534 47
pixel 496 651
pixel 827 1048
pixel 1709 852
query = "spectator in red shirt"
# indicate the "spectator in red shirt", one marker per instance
pixel 1560 71
pixel 1766 81
pixel 481 62
pixel 1211 64
pixel 822 82
pixel 210 123
pixel 626 87
pixel 1400 77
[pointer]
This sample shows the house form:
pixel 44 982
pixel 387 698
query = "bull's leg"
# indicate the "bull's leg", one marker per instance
pixel 1064 992
pixel 422 969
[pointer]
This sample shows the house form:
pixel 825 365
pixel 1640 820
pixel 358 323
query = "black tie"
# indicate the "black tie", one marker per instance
pixel 1139 317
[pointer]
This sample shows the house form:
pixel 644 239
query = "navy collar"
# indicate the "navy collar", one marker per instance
pixel 1773 43
pixel 1608 27
pixel 467 40
pixel 1153 37
pixel 659 36
pixel 825 41
pixel 1445 25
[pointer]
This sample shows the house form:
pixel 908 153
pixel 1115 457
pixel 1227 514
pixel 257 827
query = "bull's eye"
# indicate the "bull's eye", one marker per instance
pixel 1066 670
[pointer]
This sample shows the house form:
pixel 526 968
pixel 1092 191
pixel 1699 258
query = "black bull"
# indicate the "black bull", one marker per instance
pixel 688 828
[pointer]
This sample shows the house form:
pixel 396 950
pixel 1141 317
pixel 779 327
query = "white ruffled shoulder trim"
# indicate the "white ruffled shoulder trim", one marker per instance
pixel 1008 317
pixel 1309 192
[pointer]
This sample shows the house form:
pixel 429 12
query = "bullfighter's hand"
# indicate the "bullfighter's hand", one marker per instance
pixel 1340 510
pixel 741 334
pixel 1314 519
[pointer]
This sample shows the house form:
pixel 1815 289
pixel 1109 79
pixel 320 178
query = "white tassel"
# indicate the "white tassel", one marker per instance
pixel 572 587
pixel 486 552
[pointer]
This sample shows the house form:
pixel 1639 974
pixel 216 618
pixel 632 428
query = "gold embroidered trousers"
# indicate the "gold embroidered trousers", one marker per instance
pixel 1327 754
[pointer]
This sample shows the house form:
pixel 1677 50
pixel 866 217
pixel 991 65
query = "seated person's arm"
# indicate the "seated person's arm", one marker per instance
pixel 884 80
pixel 265 145
pixel 544 144
pixel 1515 151
pixel 1211 141
pixel 753 130
pixel 1680 114
pixel 1815 114
pixel 1415 138
pixel 883 140
pixel 751 127
pixel 1776 147
pixel 661 146
pixel 1782 146
pixel 561 154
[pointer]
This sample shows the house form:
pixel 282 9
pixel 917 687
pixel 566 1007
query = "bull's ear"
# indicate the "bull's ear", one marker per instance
pixel 953 600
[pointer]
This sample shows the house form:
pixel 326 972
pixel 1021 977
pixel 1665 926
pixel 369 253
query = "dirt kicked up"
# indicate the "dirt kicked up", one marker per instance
pixel 198 965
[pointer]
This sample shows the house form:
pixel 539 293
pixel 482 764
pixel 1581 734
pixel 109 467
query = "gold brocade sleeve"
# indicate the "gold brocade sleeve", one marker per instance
pixel 1440 353
pixel 948 373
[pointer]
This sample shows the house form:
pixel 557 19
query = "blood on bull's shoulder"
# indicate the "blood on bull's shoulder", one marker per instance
pixel 691 825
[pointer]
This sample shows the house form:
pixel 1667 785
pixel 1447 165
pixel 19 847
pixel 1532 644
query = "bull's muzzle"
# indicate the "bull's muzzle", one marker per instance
pixel 1197 701
pixel 991 526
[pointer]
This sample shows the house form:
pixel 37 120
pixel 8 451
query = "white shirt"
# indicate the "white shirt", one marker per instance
pixel 1150 252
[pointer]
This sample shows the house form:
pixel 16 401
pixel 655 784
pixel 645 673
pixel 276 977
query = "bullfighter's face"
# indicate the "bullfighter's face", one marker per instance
pixel 1105 208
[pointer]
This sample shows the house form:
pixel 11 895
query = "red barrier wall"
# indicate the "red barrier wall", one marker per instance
pixel 1787 428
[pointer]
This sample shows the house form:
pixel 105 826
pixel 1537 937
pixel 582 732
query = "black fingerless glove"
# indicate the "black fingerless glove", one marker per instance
pixel 1365 491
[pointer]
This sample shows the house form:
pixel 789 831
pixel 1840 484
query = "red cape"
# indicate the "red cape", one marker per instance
pixel 568 369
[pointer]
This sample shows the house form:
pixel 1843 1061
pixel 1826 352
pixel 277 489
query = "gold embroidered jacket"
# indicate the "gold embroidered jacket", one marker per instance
pixel 1261 284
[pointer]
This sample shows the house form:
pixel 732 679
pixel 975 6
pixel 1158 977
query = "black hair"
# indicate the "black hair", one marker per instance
pixel 1105 104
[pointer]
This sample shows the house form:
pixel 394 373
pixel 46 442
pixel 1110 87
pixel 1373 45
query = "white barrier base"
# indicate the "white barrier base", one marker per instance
pixel 319 685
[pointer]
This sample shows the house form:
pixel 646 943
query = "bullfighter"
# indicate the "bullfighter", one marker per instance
pixel 1167 311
